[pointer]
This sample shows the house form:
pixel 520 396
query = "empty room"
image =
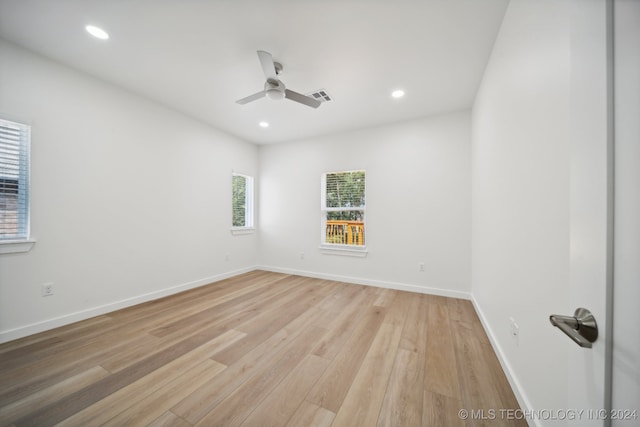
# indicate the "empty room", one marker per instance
pixel 319 213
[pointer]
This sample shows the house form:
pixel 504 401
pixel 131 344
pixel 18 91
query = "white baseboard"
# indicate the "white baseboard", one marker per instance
pixel 66 319
pixel 370 282
pixel 521 396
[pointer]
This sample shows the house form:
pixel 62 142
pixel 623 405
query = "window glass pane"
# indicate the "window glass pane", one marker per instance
pixel 242 201
pixel 345 231
pixel 345 189
pixel 14 180
pixel 239 200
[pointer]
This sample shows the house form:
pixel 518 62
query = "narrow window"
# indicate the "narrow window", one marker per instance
pixel 242 201
pixel 14 180
pixel 343 208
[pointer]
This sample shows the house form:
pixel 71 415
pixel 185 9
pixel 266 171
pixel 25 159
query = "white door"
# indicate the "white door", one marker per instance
pixel 590 207
pixel 604 381
pixel 626 316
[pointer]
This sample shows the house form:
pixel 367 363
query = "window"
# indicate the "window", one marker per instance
pixel 343 209
pixel 242 201
pixel 14 181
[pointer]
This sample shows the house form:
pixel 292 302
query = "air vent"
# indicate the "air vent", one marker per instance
pixel 321 95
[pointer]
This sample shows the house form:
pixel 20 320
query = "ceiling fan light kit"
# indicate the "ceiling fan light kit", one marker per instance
pixel 273 87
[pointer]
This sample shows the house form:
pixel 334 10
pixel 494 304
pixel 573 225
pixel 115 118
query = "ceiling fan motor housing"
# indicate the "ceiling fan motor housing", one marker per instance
pixel 274 89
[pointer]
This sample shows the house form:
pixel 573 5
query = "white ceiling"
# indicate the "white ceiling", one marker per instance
pixel 199 56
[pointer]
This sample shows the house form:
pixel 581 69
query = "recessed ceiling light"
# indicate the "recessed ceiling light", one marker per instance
pixel 398 93
pixel 264 124
pixel 97 32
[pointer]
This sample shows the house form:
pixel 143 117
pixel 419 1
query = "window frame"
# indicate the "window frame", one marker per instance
pixel 21 242
pixel 249 215
pixel 338 248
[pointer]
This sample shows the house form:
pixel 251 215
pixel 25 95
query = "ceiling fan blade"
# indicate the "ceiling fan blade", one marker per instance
pixel 250 98
pixel 302 99
pixel 268 67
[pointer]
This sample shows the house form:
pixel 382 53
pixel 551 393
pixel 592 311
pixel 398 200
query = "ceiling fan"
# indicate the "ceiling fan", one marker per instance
pixel 273 87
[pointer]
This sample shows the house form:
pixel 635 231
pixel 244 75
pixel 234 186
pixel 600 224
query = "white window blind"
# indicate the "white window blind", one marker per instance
pixel 343 208
pixel 14 180
pixel 242 200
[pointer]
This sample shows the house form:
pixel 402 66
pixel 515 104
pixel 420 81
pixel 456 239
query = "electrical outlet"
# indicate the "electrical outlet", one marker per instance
pixel 227 257
pixel 301 255
pixel 515 330
pixel 421 266
pixel 47 289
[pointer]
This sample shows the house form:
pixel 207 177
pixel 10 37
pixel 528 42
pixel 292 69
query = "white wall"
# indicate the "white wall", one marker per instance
pixel 129 200
pixel 418 204
pixel 520 196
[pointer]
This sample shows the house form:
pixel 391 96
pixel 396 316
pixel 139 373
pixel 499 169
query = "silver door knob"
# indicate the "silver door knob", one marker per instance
pixel 581 327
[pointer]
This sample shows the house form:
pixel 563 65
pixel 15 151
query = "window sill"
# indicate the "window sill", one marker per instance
pixel 16 246
pixel 239 231
pixel 344 250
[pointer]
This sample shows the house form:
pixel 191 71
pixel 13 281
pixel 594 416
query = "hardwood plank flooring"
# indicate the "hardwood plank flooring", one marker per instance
pixel 260 349
pixel 280 405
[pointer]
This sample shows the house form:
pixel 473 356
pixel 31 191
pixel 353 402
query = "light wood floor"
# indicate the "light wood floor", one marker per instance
pixel 261 349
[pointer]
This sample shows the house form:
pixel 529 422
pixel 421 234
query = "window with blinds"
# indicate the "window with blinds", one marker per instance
pixel 343 208
pixel 242 201
pixel 14 180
